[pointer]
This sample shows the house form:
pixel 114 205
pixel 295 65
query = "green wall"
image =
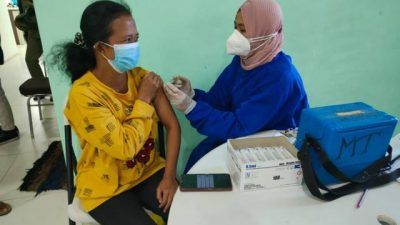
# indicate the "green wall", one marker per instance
pixel 345 50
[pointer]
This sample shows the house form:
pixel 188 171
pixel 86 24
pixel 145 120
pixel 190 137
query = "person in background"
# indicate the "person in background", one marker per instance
pixel 259 90
pixel 8 131
pixel 114 106
pixel 26 21
pixel 4 208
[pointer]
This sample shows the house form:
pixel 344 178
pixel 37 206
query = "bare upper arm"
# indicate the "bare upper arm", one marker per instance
pixel 164 110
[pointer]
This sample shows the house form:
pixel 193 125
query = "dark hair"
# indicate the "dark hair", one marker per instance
pixel 77 58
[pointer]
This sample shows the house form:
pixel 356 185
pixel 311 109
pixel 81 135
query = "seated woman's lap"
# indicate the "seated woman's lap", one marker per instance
pixel 128 207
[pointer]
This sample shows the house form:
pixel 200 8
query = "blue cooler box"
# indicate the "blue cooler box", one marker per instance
pixel 353 136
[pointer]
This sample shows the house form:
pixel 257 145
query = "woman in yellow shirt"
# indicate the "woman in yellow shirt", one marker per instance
pixel 113 106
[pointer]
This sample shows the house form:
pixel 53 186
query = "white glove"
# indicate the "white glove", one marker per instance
pixel 179 99
pixel 183 84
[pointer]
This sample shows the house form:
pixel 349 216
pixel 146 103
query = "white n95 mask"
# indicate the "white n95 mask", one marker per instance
pixel 237 44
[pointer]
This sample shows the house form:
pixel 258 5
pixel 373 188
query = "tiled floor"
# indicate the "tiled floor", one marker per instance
pixel 17 157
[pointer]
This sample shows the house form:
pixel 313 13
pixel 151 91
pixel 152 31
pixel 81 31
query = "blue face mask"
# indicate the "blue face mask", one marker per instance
pixel 126 56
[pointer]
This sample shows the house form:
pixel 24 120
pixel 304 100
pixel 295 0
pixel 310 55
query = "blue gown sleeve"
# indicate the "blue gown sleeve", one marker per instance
pixel 219 94
pixel 262 108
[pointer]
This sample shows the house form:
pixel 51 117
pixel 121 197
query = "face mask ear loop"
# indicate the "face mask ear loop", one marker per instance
pixel 94 46
pixel 107 59
pixel 252 50
pixel 106 44
pixel 265 39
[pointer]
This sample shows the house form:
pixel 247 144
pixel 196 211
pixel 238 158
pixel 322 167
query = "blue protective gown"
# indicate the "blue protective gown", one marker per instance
pixel 243 102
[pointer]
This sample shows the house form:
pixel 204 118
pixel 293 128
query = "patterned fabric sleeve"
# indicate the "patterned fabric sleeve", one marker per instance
pixel 94 122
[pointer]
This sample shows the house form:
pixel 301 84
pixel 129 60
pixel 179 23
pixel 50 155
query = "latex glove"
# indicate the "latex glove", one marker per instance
pixel 179 99
pixel 183 84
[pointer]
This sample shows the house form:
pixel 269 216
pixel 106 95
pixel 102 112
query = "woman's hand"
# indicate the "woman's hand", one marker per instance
pixel 149 86
pixel 166 191
pixel 183 84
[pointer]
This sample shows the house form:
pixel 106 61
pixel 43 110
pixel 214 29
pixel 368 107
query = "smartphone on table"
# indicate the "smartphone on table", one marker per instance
pixel 206 182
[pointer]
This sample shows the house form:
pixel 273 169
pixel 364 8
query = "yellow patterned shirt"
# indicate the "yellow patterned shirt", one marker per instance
pixel 112 129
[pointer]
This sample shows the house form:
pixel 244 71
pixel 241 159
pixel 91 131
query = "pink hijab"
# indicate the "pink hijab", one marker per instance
pixel 262 18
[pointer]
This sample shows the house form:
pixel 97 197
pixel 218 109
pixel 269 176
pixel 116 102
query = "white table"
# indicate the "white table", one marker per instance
pixel 289 205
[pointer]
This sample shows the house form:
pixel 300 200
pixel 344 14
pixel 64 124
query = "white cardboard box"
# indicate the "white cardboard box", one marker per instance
pixel 264 174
